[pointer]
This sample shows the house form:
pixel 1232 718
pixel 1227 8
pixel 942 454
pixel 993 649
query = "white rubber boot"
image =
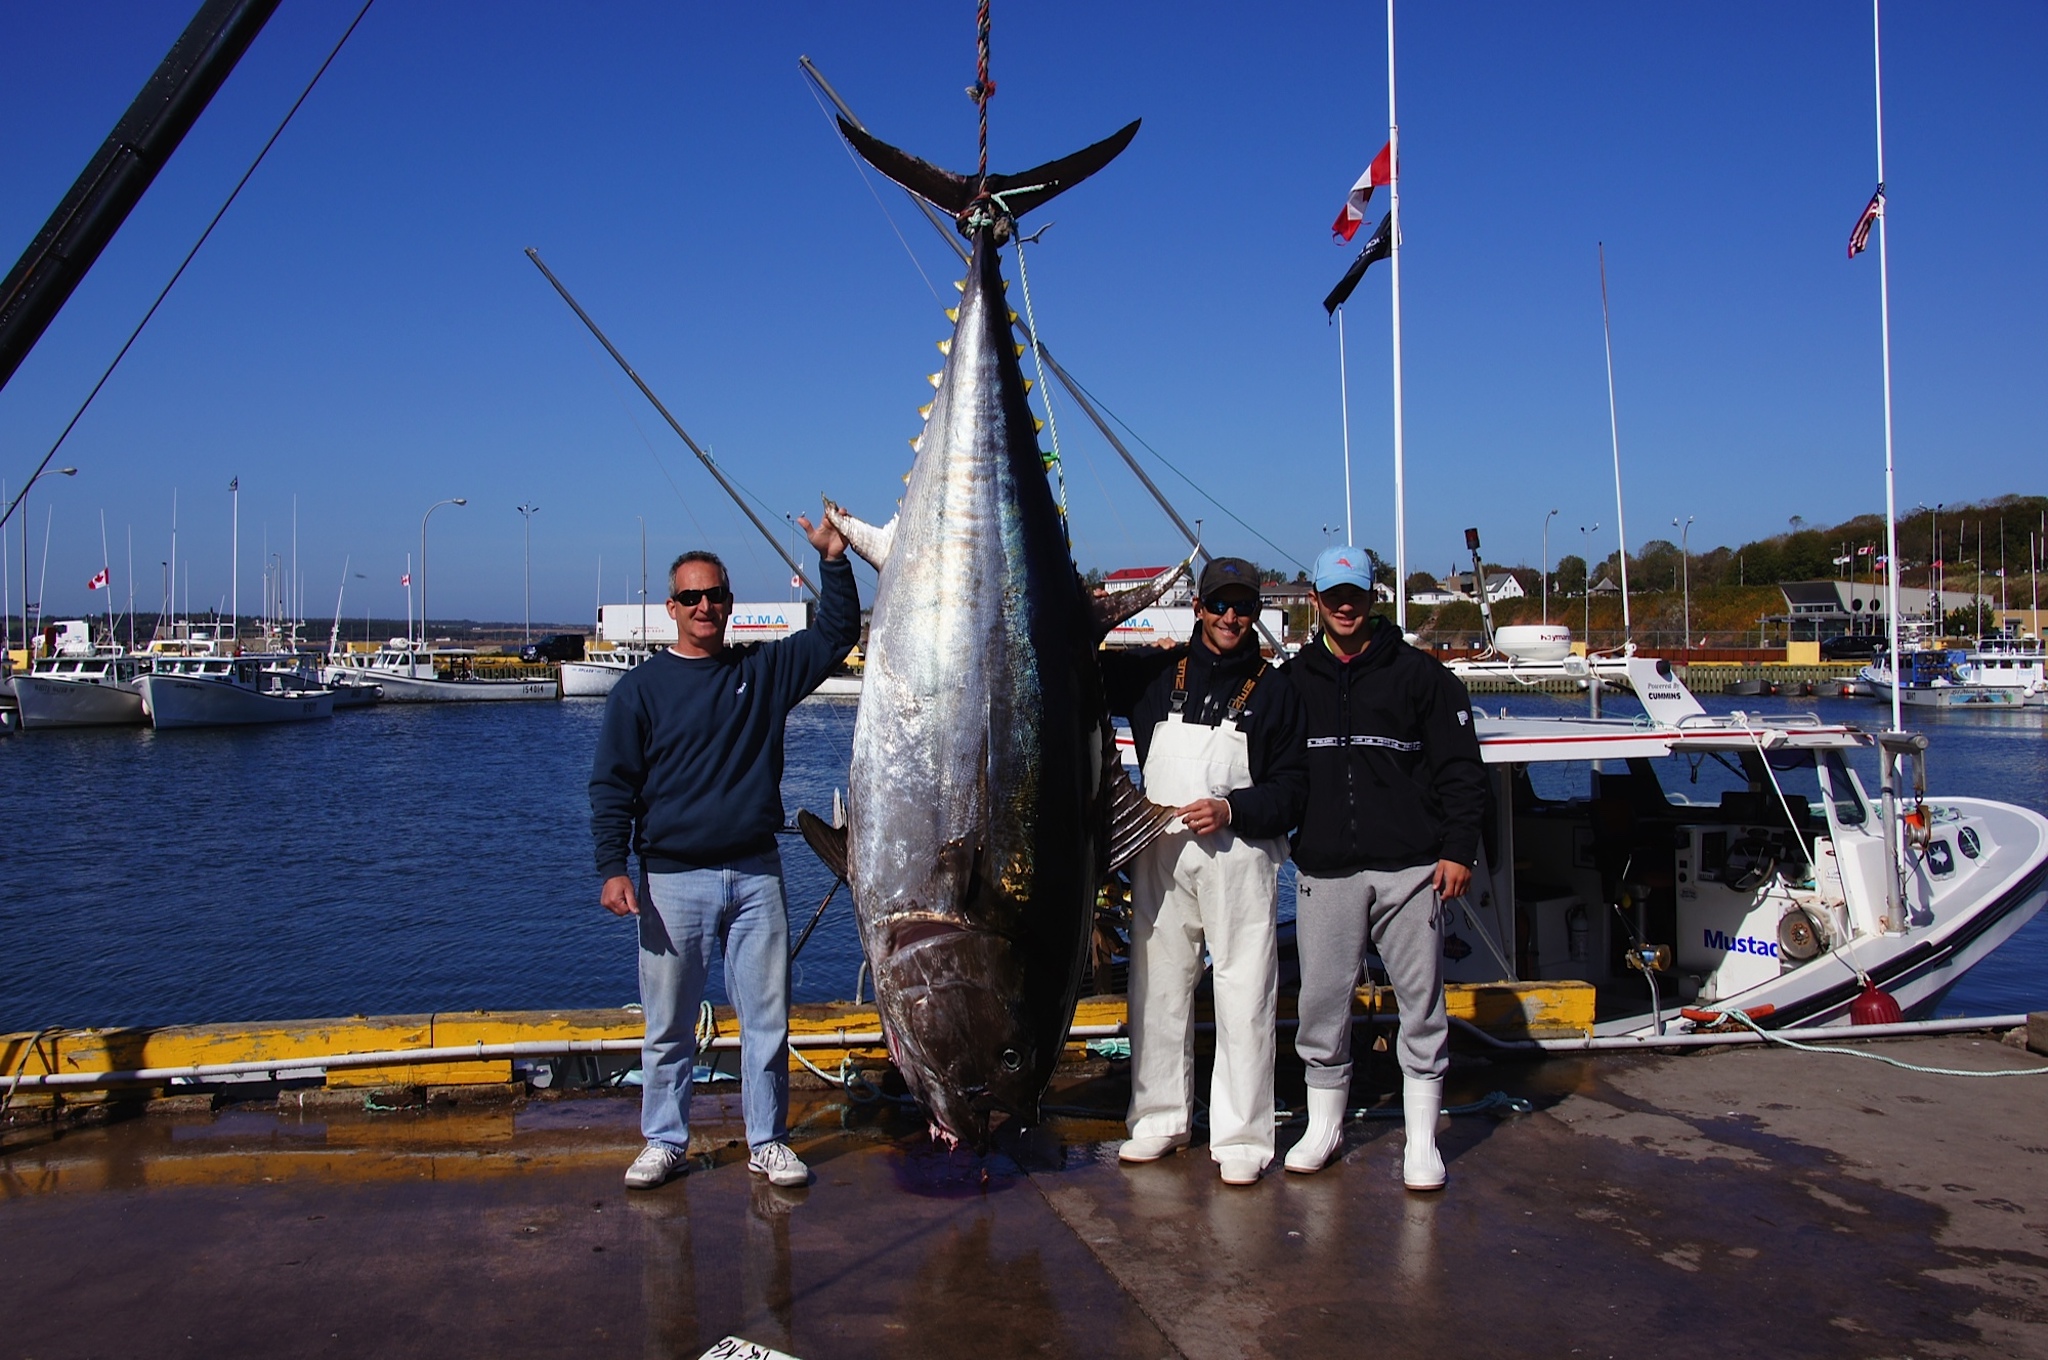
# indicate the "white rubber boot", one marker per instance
pixel 1422 1100
pixel 1325 1130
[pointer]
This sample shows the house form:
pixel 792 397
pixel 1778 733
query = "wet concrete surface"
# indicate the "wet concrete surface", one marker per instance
pixel 1727 1203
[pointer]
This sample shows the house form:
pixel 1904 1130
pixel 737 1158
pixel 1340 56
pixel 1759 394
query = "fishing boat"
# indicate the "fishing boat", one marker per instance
pixel 1999 675
pixel 1687 859
pixel 408 673
pixel 101 689
pixel 601 668
pixel 233 691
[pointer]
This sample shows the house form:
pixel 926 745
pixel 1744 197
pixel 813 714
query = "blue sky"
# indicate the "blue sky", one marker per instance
pixel 363 331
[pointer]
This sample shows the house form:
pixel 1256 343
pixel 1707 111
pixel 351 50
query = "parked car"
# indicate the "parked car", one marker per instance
pixel 1851 647
pixel 554 647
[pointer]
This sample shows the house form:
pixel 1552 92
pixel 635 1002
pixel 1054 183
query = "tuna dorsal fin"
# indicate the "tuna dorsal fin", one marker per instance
pixel 827 842
pixel 1134 820
pixel 870 542
pixel 1113 608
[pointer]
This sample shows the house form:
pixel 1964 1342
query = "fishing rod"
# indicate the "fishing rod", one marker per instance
pixel 950 237
pixel 673 424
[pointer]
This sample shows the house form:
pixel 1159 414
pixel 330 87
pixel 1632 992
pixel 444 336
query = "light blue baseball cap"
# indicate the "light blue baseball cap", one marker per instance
pixel 1344 566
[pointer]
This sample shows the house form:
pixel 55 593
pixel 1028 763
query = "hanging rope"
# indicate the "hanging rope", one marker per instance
pixel 984 89
pixel 1052 424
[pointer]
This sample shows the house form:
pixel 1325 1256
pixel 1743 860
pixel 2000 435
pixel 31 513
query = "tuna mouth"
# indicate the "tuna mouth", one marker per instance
pixel 917 932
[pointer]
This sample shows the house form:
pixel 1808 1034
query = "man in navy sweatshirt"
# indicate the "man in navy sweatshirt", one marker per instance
pixel 688 777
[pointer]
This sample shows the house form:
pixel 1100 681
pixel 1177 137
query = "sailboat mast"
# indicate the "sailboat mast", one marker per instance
pixel 106 575
pixel 1614 430
pixel 1394 255
pixel 1884 309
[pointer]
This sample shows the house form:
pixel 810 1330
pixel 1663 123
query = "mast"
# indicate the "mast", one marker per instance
pixel 1884 311
pixel 1394 254
pixel 1344 404
pixel 1614 430
pixel 106 570
pixel 235 561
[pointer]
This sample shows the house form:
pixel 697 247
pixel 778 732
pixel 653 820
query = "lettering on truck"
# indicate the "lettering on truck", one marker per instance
pixel 1741 944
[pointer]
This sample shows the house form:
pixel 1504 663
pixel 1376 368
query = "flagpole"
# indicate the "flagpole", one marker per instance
pixel 235 564
pixel 1614 431
pixel 131 590
pixel 1884 304
pixel 1394 253
pixel 1344 401
pixel 106 570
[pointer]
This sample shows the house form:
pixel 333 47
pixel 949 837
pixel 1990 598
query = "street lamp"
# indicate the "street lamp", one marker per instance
pixel 1546 565
pixel 21 503
pixel 453 500
pixel 1685 556
pixel 526 512
pixel 1586 586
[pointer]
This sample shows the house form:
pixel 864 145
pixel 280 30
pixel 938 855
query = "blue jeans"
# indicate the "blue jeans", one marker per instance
pixel 738 910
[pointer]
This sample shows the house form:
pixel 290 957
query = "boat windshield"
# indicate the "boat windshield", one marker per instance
pixel 1696 778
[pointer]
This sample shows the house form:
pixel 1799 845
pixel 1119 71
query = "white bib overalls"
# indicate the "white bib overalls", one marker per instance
pixel 1221 889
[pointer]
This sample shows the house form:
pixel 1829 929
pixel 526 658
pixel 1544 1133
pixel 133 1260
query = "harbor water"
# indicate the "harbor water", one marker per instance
pixel 424 857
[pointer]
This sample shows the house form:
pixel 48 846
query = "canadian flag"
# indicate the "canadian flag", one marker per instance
pixel 98 581
pixel 406 579
pixel 1381 171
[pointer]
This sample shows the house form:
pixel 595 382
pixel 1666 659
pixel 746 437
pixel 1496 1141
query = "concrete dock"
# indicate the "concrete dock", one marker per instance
pixel 1736 1202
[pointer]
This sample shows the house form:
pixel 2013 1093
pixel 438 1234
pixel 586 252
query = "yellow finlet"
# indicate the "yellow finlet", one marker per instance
pixel 960 285
pixel 946 347
pixel 1013 318
pixel 953 314
pixel 934 378
pixel 1029 384
pixel 925 410
pixel 1020 351
pixel 1036 424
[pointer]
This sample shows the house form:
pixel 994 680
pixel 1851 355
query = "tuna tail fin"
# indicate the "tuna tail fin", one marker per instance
pixel 828 843
pixel 1112 609
pixel 1135 821
pixel 1018 194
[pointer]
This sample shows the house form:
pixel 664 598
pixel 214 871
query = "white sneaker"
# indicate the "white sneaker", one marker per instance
pixel 656 1163
pixel 1151 1149
pixel 780 1165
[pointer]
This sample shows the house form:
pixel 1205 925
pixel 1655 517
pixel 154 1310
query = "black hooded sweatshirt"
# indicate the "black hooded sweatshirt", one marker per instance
pixel 1139 686
pixel 1395 777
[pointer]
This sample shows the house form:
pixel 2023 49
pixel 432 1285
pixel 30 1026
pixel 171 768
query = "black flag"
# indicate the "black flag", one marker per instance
pixel 1378 247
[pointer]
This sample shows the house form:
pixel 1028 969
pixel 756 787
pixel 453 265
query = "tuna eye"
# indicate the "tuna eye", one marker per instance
pixel 1012 1060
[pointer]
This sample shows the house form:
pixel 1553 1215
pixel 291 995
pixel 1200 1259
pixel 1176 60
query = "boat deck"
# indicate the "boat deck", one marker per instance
pixel 1738 1202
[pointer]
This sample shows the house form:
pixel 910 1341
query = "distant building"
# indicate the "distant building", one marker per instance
pixel 1286 594
pixel 1606 586
pixel 1818 609
pixel 1500 586
pixel 1134 578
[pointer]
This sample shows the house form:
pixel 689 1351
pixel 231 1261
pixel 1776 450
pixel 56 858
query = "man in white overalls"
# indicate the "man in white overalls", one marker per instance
pixel 1222 740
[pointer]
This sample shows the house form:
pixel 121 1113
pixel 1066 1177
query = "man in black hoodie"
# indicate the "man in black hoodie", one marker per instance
pixel 1396 795
pixel 1220 737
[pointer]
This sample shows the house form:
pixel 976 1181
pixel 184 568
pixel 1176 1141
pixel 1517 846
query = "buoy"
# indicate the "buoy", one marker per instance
pixel 1874 1006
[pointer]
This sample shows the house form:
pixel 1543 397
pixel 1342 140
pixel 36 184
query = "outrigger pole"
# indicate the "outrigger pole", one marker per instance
pixel 1394 255
pixel 1614 429
pixel 944 228
pixel 1884 304
pixel 673 424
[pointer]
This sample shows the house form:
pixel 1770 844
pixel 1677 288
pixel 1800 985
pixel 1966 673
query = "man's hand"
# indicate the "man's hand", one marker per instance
pixel 1451 879
pixel 1205 816
pixel 618 896
pixel 824 536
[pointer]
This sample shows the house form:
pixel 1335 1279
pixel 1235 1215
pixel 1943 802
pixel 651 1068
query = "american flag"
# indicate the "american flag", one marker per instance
pixel 1859 239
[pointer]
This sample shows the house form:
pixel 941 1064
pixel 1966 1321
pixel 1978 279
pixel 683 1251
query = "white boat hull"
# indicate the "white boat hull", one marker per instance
pixel 837 687
pixel 413 689
pixel 590 679
pixel 47 701
pixel 183 701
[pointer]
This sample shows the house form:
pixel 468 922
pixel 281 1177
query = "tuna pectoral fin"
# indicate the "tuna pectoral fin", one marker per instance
pixel 871 543
pixel 1112 609
pixel 827 842
pixel 1134 820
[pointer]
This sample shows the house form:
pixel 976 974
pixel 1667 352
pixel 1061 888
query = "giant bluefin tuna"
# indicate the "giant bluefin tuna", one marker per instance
pixel 985 802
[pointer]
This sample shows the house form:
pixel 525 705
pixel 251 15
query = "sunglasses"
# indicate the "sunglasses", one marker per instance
pixel 1219 606
pixel 715 594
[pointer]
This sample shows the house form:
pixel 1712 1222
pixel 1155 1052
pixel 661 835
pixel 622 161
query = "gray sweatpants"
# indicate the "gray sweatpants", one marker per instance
pixel 1399 912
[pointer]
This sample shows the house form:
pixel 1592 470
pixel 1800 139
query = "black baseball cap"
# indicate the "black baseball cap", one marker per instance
pixel 1224 572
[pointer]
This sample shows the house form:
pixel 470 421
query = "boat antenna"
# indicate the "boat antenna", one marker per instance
pixel 1614 430
pixel 1479 587
pixel 334 633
